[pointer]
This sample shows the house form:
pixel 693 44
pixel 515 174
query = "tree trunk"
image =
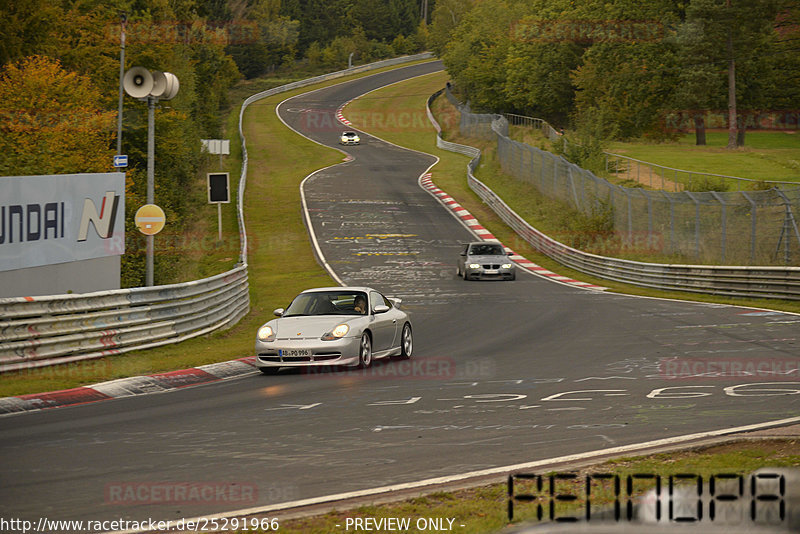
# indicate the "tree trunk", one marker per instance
pixel 699 130
pixel 740 135
pixel 731 90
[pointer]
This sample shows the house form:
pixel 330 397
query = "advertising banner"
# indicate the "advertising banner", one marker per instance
pixel 45 220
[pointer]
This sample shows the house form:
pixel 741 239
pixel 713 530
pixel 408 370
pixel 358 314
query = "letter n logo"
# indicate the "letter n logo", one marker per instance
pixel 104 222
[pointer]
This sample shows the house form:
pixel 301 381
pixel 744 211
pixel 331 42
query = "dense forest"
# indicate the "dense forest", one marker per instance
pixel 616 69
pixel 624 68
pixel 59 77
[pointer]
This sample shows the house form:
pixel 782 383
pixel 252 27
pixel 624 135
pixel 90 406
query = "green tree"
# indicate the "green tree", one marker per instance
pixel 319 20
pixel 475 56
pixel 631 83
pixel 261 38
pixel 537 74
pixel 446 17
pixel 28 27
pixel 700 84
pixel 629 70
pixel 735 34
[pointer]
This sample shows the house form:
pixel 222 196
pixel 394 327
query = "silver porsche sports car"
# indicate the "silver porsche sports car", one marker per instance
pixel 332 326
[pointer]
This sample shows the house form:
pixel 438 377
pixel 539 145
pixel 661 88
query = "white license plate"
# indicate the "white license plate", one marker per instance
pixel 491 271
pixel 294 352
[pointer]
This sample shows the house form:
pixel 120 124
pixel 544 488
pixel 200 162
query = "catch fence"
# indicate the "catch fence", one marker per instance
pixel 725 227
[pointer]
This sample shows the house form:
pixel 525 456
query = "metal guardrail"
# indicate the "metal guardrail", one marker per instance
pixel 42 331
pixel 738 281
pixel 56 329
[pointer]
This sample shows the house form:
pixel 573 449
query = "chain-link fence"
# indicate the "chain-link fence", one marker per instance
pixel 733 228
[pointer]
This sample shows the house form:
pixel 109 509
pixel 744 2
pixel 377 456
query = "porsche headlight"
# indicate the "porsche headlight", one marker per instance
pixel 337 333
pixel 266 333
pixel 474 265
pixel 506 266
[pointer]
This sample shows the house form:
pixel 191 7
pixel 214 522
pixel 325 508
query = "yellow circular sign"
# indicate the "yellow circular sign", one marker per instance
pixel 150 219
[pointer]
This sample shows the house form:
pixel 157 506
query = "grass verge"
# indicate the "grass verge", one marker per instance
pixel 392 114
pixel 766 156
pixel 279 159
pixel 484 509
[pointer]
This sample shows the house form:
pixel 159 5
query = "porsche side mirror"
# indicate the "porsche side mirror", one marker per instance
pixel 381 308
pixel 278 312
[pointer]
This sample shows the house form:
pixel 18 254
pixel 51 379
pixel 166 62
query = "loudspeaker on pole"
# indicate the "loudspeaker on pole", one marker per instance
pixel 138 82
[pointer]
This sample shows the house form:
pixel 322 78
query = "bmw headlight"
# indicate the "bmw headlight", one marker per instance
pixel 337 333
pixel 506 266
pixel 474 265
pixel 266 333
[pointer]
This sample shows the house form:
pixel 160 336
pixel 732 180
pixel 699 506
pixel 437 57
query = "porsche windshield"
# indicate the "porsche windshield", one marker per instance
pixel 328 303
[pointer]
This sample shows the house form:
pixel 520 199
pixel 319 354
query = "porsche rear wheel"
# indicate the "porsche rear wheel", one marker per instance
pixel 365 351
pixel 406 342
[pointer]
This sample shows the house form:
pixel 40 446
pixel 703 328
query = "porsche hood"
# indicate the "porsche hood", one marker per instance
pixel 305 327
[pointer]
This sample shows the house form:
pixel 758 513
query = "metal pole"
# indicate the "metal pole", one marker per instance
pixel 789 224
pixel 123 18
pixel 724 224
pixel 671 221
pixel 151 106
pixel 219 220
pixel 753 224
pixel 696 225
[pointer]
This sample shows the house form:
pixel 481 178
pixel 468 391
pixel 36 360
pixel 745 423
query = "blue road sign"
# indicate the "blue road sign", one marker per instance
pixel 120 160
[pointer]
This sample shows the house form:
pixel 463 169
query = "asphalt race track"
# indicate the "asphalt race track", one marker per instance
pixel 503 372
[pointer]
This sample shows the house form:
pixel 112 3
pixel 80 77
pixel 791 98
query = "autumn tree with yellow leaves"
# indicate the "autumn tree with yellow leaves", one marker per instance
pixel 52 120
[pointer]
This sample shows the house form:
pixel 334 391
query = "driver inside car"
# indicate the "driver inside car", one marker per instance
pixel 360 305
